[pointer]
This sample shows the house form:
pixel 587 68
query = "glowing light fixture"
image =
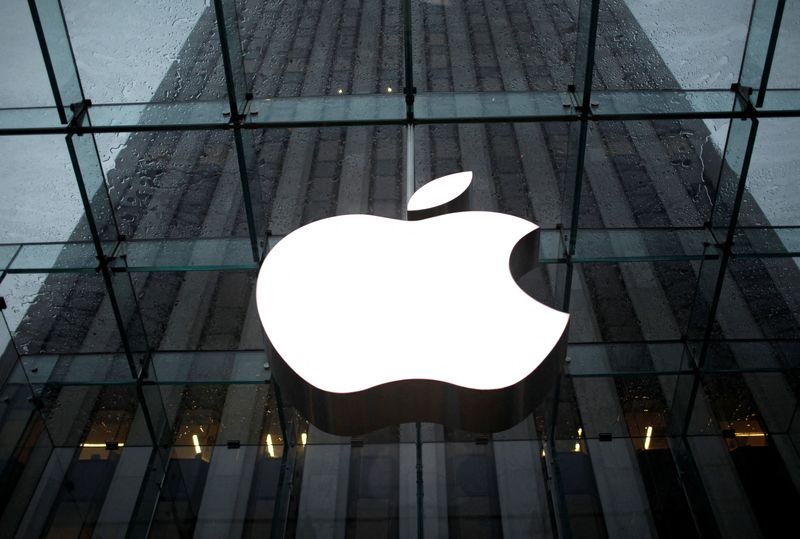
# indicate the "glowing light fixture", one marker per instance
pixel 647 436
pixel 270 447
pixel 389 89
pixel 303 438
pixel 196 441
pixel 578 447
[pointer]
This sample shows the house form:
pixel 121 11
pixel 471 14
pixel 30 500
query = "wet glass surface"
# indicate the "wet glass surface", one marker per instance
pixel 136 394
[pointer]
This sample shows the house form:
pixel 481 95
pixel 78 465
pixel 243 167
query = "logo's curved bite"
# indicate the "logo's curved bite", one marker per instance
pixel 376 321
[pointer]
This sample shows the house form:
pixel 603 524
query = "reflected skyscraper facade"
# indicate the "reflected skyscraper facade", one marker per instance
pixel 154 154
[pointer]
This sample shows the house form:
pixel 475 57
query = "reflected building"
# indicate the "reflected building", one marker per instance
pixel 137 398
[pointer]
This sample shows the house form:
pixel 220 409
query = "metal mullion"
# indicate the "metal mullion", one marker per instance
pixel 754 72
pixel 584 65
pixel 238 98
pixel 410 91
pixel 712 271
pixel 581 100
pixel 731 218
pixel 762 38
pixel 98 211
pixel 193 116
pixel 251 192
pixel 59 58
pixel 285 477
pixel 773 43
pixel 231 49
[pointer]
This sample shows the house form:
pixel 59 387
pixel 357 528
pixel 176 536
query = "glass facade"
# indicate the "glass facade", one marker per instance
pixel 153 152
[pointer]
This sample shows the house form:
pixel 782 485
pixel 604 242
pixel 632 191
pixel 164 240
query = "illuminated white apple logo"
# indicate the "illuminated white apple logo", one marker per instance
pixel 375 321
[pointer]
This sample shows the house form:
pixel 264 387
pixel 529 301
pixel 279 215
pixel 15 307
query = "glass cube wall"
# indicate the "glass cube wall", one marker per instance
pixel 153 152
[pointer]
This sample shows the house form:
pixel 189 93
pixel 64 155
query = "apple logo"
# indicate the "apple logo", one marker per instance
pixel 374 321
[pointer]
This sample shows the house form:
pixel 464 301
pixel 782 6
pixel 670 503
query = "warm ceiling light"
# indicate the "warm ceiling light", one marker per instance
pixel 580 432
pixel 647 436
pixel 270 448
pixel 578 448
pixel 303 438
pixel 197 449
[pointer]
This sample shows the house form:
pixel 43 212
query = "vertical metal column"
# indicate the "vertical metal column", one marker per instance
pixel 99 218
pixel 239 99
pixel 753 78
pixel 579 99
pixel 729 190
pixel 51 31
pixel 762 38
pixel 410 91
pixel 98 208
pixel 580 96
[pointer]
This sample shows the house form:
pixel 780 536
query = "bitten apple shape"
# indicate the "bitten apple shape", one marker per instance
pixel 375 321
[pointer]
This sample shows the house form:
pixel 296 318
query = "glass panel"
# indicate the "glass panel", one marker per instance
pixel 774 175
pixel 174 184
pixel 180 60
pixel 632 103
pixel 210 367
pixel 23 58
pixel 467 46
pixel 106 413
pixel 328 110
pixel 138 116
pixel 632 301
pixel 29 120
pixel 642 244
pixel 731 426
pixel 765 242
pixel 33 187
pixel 488 106
pixel 7 254
pixel 600 359
pixel 57 257
pixel 202 254
pixel 322 48
pixel 178 316
pixel 312 173
pixel 782 75
pixel 760 299
pixel 60 313
pixel 74 369
pixel 649 174
pixel 781 101
pixel 656 45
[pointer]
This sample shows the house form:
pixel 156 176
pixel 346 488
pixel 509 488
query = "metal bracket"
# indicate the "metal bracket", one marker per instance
pixel 743 94
pixel 79 113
